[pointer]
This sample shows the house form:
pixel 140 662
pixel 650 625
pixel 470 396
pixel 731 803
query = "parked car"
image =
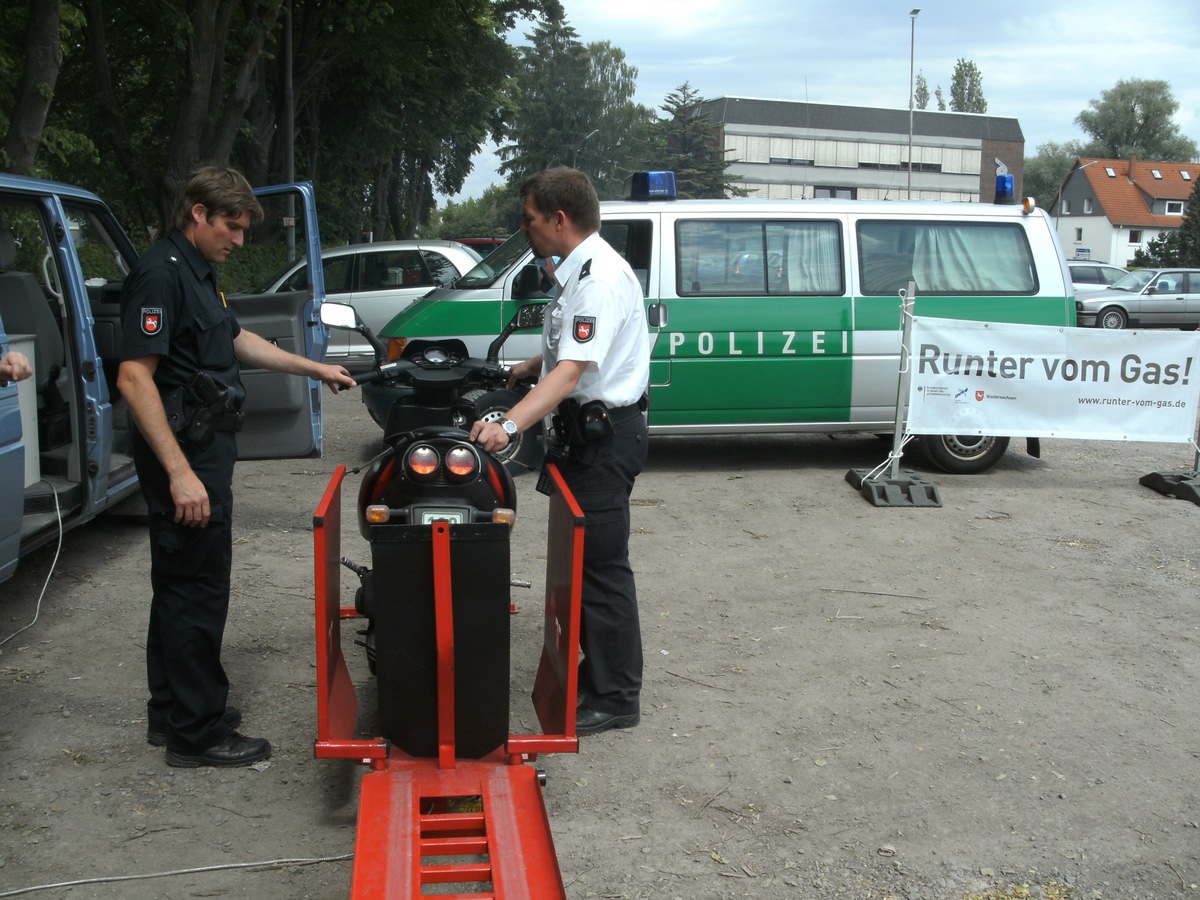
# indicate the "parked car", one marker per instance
pixel 483 245
pixel 1087 275
pixel 1148 298
pixel 378 280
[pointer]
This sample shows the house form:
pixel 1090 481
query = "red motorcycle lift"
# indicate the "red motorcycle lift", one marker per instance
pixel 477 824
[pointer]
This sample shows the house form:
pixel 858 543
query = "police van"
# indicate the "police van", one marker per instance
pixel 782 316
pixel 64 433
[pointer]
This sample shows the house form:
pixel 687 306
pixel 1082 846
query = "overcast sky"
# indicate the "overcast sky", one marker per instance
pixel 1041 60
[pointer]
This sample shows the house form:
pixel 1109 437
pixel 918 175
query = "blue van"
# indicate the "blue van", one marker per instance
pixel 64 433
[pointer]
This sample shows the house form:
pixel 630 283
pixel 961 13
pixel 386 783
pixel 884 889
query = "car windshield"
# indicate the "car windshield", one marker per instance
pixel 496 263
pixel 1134 281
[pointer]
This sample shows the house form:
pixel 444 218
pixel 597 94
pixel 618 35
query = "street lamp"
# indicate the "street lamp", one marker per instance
pixel 579 146
pixel 912 46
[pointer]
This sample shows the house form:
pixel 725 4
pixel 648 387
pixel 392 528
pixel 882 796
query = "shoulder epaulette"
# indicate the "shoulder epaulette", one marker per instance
pixel 586 270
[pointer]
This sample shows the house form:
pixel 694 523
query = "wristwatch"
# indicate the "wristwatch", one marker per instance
pixel 509 426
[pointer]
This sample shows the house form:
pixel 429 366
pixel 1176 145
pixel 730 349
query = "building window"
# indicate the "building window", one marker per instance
pixel 1157 174
pixel 1079 235
pixel 1110 171
pixel 1087 204
pixel 1174 207
pixel 788 161
pixel 1066 207
pixel 1187 176
pixel 1135 237
pixel 838 193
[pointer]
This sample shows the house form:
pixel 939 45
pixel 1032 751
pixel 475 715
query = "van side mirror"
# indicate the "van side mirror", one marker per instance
pixel 532 283
pixel 656 314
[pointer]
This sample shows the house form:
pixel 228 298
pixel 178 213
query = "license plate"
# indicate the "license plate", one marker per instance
pixel 453 516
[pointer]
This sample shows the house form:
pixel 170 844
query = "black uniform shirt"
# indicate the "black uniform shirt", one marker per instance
pixel 170 307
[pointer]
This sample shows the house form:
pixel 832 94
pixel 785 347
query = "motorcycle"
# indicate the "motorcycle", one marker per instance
pixel 437 382
pixel 431 478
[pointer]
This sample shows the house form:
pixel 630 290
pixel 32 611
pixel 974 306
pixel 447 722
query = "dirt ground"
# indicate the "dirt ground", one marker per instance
pixel 840 701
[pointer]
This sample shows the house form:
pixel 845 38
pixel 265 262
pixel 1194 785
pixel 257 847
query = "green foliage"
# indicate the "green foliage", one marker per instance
pixel 1135 116
pixel 966 88
pixel 688 144
pixel 921 92
pixel 1046 171
pixel 572 104
pixel 496 213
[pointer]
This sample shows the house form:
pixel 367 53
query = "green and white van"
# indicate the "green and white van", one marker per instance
pixel 783 316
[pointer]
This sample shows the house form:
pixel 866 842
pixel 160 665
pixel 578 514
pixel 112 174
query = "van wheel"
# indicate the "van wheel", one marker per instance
pixel 523 453
pixel 963 454
pixel 1113 317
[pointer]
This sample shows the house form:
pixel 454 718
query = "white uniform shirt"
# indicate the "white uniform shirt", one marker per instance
pixel 599 317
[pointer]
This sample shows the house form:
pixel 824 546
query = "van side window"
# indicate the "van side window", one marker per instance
pixel 755 257
pixel 634 240
pixel 952 258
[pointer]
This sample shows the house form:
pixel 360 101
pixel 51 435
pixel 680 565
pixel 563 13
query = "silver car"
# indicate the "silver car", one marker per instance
pixel 1093 276
pixel 1145 298
pixel 378 280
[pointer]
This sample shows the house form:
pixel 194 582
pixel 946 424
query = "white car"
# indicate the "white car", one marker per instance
pixel 1093 276
pixel 378 280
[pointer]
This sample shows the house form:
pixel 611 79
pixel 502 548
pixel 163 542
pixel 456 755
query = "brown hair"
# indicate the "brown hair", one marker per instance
pixel 222 191
pixel 567 189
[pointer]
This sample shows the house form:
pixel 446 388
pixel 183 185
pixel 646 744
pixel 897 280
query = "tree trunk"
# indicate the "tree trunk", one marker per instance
pixel 43 59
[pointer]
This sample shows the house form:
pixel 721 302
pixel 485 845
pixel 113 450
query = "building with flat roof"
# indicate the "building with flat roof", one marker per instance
pixel 782 149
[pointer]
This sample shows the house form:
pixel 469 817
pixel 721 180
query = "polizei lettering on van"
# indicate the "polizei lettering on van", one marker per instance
pixel 785 316
pixel 733 343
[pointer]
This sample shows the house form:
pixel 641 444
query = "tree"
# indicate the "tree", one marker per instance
pixel 688 144
pixel 941 99
pixel 496 213
pixel 1179 247
pixel 31 57
pixel 1135 117
pixel 1045 172
pixel 572 104
pixel 386 99
pixel 966 88
pixel 921 94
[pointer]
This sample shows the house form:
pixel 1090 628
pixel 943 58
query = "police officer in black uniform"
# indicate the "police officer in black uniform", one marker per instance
pixel 594 371
pixel 182 350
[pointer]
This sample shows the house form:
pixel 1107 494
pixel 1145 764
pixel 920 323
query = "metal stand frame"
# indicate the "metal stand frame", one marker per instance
pixel 898 488
pixel 476 825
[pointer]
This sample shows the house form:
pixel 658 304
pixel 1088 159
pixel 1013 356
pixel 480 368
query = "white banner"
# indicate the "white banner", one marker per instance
pixel 1049 381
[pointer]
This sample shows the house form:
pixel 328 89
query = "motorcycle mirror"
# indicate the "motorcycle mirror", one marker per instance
pixel 338 315
pixel 531 315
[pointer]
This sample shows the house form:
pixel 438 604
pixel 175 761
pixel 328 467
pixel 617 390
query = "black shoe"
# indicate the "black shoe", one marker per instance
pixel 235 750
pixel 593 721
pixel 232 718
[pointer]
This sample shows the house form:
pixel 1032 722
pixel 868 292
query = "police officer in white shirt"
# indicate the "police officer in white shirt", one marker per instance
pixel 594 370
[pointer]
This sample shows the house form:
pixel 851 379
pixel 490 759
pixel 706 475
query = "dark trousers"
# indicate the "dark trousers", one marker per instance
pixel 601 474
pixel 190 577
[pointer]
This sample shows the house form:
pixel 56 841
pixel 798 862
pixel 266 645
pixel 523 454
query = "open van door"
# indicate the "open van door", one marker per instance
pixel 283 412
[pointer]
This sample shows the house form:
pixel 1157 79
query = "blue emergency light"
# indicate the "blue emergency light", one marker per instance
pixel 650 186
pixel 1006 192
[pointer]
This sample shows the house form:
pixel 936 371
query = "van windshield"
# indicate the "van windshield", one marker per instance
pixel 496 263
